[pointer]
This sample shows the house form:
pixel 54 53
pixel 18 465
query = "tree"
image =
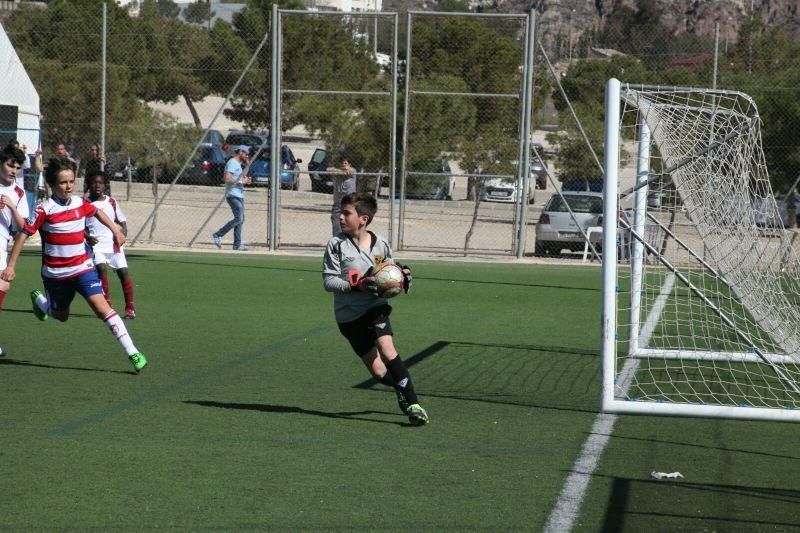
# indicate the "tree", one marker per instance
pixel 199 12
pixel 162 8
pixel 583 84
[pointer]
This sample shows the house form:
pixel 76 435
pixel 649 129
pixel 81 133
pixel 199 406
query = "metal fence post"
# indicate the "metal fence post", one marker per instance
pixel 393 131
pixel 404 159
pixel 525 140
pixel 716 57
pixel 103 83
pixel 275 131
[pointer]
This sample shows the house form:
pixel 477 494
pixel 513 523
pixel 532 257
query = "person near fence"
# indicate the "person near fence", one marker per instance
pixel 63 153
pixel 235 180
pixel 344 183
pixel 30 179
pixel 362 315
pixel 67 266
pixel 105 251
pixel 13 206
pixel 94 164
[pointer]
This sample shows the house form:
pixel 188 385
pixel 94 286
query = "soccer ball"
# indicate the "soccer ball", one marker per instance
pixel 389 280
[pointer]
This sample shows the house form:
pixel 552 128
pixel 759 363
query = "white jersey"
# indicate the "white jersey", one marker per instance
pixel 17 194
pixel 105 239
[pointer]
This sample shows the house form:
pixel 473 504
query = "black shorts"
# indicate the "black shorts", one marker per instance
pixel 362 332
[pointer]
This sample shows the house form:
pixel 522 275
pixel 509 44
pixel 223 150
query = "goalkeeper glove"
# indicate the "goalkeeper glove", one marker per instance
pixel 362 283
pixel 407 279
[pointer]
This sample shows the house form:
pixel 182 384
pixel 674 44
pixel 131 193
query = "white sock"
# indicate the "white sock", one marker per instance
pixel 120 332
pixel 43 304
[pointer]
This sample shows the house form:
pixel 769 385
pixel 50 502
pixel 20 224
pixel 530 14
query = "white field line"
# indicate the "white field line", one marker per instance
pixel 566 510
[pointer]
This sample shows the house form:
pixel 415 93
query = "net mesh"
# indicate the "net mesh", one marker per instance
pixel 707 311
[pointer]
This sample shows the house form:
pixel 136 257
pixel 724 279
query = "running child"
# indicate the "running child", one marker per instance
pixel 13 205
pixel 362 315
pixel 67 265
pixel 105 251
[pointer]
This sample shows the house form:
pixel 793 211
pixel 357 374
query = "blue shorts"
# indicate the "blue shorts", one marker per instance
pixel 60 292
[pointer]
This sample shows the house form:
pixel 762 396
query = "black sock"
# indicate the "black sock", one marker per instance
pixel 387 380
pixel 399 372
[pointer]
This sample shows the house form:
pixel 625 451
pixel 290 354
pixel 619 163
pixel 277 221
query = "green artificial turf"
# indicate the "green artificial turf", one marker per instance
pixel 254 414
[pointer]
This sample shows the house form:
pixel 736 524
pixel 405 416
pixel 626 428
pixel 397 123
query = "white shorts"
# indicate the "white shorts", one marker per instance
pixel 114 260
pixel 3 259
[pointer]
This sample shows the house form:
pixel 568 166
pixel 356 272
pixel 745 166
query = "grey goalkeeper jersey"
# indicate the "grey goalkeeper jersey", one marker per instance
pixel 343 255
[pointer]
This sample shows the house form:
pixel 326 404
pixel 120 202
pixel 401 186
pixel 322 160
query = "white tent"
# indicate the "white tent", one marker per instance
pixel 17 94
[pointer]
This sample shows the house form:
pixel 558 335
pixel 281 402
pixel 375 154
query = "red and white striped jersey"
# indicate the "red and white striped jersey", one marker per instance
pixel 105 239
pixel 6 220
pixel 65 253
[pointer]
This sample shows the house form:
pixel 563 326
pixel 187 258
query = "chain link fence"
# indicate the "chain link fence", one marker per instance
pixel 437 112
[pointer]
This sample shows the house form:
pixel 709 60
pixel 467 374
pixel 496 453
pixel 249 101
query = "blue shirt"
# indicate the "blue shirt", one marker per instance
pixel 235 189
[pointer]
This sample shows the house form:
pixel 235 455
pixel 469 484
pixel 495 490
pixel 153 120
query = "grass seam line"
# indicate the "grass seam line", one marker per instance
pixel 76 425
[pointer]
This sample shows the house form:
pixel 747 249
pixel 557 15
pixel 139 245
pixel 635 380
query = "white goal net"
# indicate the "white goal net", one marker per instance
pixel 701 313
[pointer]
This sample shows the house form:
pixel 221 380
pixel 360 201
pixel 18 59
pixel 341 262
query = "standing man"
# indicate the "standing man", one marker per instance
pixel 235 180
pixel 344 183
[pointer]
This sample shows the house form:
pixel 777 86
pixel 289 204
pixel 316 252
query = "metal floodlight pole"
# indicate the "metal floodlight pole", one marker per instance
pixel 103 84
pixel 716 57
pixel 404 159
pixel 392 128
pixel 527 102
pixel 275 130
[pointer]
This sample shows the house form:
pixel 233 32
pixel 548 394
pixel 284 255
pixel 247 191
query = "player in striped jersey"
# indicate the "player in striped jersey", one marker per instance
pixel 13 205
pixel 105 252
pixel 67 265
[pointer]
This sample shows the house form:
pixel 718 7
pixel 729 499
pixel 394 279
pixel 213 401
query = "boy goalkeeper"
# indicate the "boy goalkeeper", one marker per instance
pixel 362 315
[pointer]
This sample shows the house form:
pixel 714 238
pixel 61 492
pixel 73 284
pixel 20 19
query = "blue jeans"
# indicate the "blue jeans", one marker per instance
pixel 31 197
pixel 237 206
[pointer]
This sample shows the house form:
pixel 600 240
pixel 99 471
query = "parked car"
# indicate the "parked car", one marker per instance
pixel 585 184
pixel 120 167
pixel 503 190
pixel 784 212
pixel 320 181
pixel 539 174
pixel 207 168
pixel 260 169
pixel 256 140
pixel 215 137
pixel 556 230
pixel 433 187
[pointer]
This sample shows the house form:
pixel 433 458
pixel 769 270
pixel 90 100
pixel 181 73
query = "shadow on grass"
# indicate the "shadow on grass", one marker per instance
pixel 17 362
pixel 30 312
pixel 288 409
pixel 438 346
pixel 742 497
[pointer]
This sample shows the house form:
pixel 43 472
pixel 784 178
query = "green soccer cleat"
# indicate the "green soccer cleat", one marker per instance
pixel 417 415
pixel 139 361
pixel 41 315
pixel 402 401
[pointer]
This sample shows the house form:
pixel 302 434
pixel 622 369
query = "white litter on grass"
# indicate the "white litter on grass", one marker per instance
pixel 665 475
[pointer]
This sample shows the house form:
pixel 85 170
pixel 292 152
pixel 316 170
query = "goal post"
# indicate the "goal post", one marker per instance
pixel 701 312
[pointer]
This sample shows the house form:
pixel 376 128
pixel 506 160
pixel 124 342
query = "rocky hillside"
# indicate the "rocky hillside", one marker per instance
pixel 693 16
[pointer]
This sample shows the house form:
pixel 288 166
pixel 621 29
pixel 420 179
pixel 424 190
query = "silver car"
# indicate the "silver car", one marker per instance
pixel 556 230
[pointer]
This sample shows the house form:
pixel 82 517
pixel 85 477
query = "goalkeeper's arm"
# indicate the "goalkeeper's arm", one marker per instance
pixel 334 283
pixel 355 283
